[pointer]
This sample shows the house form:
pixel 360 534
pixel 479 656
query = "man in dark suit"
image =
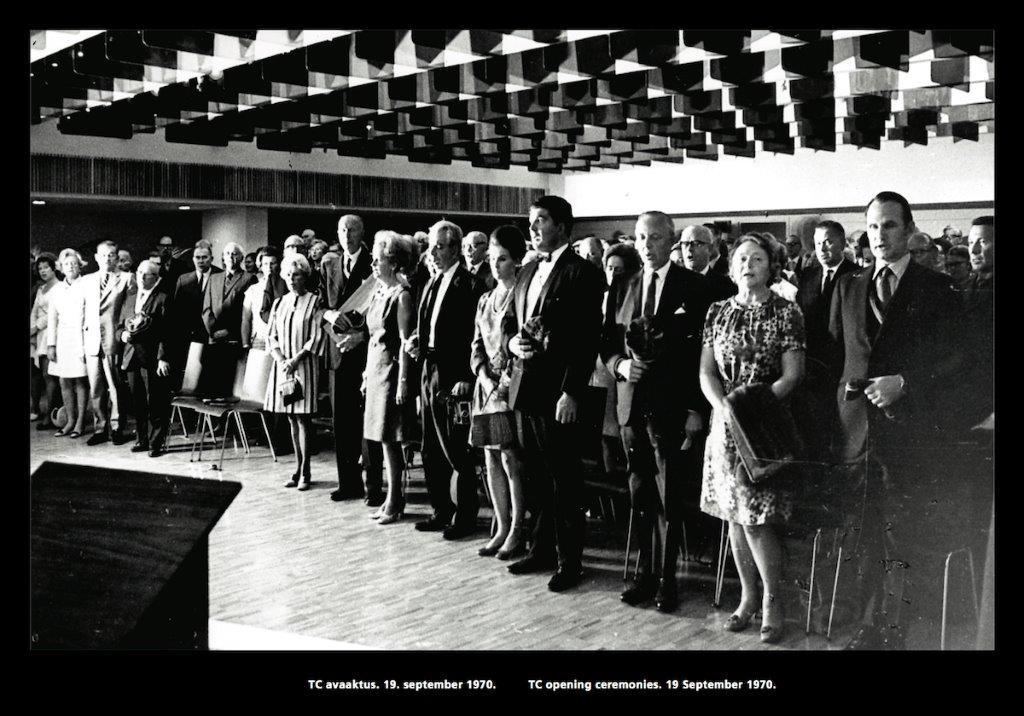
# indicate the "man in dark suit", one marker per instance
pixel 222 316
pixel 340 277
pixel 444 333
pixel 187 308
pixel 659 400
pixel 144 331
pixel 174 262
pixel 893 325
pixel 814 401
pixel 474 250
pixel 549 386
pixel 978 324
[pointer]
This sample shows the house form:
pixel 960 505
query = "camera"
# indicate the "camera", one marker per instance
pixel 459 411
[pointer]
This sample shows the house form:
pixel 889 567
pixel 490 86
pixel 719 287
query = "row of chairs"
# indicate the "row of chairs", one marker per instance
pixel 248 390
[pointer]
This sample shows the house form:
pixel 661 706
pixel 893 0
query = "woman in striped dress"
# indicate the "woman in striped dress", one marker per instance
pixel 294 341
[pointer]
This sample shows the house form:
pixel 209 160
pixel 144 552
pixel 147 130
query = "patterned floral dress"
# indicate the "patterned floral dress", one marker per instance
pixel 748 343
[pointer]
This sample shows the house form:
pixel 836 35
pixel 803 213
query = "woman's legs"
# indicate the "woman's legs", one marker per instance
pixel 82 398
pixel 293 426
pixel 52 392
pixel 35 388
pixel 497 483
pixel 513 465
pixel 67 389
pixel 767 551
pixel 747 568
pixel 394 464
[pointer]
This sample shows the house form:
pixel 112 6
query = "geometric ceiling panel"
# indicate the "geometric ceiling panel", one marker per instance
pixel 550 100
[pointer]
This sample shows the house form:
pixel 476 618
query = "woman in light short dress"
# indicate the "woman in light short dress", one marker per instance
pixel 65 342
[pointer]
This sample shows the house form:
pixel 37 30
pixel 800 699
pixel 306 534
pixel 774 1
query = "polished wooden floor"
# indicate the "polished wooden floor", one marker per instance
pixel 294 564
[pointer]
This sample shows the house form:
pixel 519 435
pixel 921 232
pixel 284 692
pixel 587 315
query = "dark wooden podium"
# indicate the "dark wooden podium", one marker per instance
pixel 119 558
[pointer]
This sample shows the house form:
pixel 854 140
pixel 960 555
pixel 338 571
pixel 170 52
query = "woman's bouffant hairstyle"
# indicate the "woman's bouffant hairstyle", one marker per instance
pixel 402 251
pixel 296 262
pixel 767 243
pixel 511 239
pixel 629 255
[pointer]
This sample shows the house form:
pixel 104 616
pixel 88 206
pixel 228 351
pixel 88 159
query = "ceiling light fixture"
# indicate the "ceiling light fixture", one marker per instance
pixel 184 207
pixel 38 202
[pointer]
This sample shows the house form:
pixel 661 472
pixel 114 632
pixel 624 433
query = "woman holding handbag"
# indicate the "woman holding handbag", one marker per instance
pixel 294 340
pixel 755 337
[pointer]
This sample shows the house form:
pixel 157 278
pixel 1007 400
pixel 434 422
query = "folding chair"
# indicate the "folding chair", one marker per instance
pixel 208 411
pixel 251 394
pixel 193 366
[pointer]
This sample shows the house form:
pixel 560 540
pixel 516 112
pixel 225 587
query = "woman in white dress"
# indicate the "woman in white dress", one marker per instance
pixel 294 341
pixel 254 329
pixel 65 342
pixel 44 385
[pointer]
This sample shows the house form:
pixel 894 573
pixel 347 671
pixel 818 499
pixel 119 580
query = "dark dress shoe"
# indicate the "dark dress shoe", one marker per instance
pixel 119 438
pixel 346 494
pixel 565 579
pixel 375 500
pixel 435 523
pixel 641 591
pixel 772 635
pixel 140 447
pixel 486 551
pixel 531 564
pixel 157 451
pixel 867 638
pixel 667 598
pixel 458 531
pixel 98 438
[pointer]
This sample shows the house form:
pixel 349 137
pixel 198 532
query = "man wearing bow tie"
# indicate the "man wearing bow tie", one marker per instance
pixel 659 402
pixel 894 326
pixel 104 293
pixel 549 385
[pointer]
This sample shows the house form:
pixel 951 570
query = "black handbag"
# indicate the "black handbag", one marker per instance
pixel 290 391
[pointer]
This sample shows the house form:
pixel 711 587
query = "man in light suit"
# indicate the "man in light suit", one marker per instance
pixel 146 351
pixel 104 293
pixel 474 250
pixel 659 401
pixel 340 276
pixel 446 321
pixel 894 325
pixel 222 316
pixel 550 384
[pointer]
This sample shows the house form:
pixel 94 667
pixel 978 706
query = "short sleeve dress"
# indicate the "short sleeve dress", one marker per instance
pixel 295 325
pixel 65 329
pixel 492 424
pixel 748 343
pixel 384 420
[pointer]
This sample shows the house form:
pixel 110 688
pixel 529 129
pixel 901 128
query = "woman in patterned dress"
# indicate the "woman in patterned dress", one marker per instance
pixel 43 384
pixel 65 343
pixel 388 381
pixel 294 340
pixel 754 337
pixel 493 428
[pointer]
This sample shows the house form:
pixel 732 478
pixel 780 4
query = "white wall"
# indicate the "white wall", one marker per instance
pixel 940 172
pixel 46 139
pixel 245 226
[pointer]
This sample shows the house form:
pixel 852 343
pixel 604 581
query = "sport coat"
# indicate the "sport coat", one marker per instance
pixel 152 344
pixel 222 305
pixel 335 289
pixel 101 311
pixel 916 339
pixel 456 323
pixel 671 387
pixel 816 307
pixel 570 309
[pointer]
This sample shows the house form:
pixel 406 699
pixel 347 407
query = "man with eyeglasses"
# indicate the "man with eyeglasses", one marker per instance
pixel 697 246
pixel 958 265
pixel 920 247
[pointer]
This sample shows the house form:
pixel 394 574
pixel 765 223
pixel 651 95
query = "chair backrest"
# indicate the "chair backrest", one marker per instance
pixel 236 387
pixel 193 366
pixel 257 374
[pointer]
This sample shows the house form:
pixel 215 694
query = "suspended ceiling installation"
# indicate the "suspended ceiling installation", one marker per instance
pixel 549 100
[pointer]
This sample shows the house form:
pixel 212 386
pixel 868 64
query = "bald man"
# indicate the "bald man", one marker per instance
pixel 222 316
pixel 699 251
pixel 591 249
pixel 144 331
pixel 474 250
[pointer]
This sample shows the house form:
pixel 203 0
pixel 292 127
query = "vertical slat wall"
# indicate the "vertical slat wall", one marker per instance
pixel 168 180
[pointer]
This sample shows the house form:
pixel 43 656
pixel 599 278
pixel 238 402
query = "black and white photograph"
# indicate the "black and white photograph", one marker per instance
pixel 480 343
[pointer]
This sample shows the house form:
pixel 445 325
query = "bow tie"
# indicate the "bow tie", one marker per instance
pixel 544 257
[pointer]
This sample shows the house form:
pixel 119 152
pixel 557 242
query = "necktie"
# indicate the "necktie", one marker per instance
pixel 827 286
pixel 103 281
pixel 651 297
pixel 883 287
pixel 202 282
pixel 348 266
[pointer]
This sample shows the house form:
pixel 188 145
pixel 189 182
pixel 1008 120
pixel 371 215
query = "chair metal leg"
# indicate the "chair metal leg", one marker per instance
pixel 686 546
pixel 223 442
pixel 266 432
pixel 723 553
pixel 945 590
pixel 196 439
pixel 835 588
pixel 176 410
pixel 810 587
pixel 241 431
pixel 629 540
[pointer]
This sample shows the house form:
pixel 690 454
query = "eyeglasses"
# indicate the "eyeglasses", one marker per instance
pixel 691 244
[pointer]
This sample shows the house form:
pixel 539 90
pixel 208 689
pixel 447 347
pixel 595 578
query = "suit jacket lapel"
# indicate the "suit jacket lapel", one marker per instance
pixel 556 274
pixel 523 289
pixel 670 292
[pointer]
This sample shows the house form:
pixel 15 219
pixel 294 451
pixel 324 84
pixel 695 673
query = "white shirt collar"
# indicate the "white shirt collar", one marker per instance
pixel 898 267
pixel 705 270
pixel 662 272
pixel 475 268
pixel 354 256
pixel 450 271
pixel 556 254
